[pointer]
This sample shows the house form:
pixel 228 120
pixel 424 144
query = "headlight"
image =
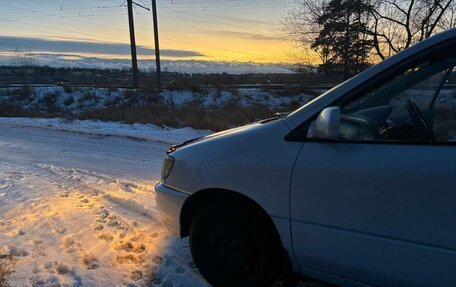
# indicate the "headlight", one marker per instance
pixel 167 167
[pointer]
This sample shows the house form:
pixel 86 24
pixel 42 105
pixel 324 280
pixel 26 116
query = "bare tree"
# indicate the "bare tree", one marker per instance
pixel 301 25
pixel 399 24
pixel 449 18
pixel 393 25
pixel 24 59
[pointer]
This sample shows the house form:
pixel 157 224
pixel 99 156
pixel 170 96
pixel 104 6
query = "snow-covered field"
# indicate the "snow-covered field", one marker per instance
pixel 81 99
pixel 77 208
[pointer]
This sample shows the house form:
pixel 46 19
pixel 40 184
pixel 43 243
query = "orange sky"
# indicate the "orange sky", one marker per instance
pixel 230 30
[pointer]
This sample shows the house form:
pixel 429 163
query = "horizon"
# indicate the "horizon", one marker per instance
pixel 200 31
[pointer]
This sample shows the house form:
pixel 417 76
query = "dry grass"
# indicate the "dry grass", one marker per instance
pixel 215 119
pixel 62 269
pixel 130 246
pixel 90 261
pixel 129 258
pixel 106 237
pixel 6 269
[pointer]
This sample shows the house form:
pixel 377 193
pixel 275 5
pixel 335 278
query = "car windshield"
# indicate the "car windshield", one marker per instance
pixel 416 102
pixel 423 83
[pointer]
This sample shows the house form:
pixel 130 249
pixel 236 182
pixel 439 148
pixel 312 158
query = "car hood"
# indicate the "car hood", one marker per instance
pixel 217 135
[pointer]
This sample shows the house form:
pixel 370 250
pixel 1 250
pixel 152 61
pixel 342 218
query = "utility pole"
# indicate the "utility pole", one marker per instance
pixel 157 46
pixel 134 57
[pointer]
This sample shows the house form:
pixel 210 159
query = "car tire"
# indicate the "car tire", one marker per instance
pixel 233 244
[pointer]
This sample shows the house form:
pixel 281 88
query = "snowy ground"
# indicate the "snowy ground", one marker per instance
pixel 78 208
pixel 77 205
pixel 81 99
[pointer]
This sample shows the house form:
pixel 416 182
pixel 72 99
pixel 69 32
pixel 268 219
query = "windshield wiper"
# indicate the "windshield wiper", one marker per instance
pixel 281 115
pixel 276 116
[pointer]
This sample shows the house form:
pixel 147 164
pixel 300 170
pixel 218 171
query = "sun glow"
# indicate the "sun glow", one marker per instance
pixel 236 31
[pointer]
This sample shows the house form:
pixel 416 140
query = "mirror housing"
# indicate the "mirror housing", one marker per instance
pixel 326 126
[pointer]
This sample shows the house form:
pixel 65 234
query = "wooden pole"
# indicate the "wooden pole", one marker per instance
pixel 134 57
pixel 157 46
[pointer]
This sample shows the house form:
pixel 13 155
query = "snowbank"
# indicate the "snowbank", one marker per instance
pixel 135 131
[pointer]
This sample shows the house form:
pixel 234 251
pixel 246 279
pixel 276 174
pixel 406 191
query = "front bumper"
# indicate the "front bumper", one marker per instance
pixel 169 204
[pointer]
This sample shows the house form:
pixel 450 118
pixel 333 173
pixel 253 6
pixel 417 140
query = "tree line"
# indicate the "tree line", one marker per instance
pixel 347 36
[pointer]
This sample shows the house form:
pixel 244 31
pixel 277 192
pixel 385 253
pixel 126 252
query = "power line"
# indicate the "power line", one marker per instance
pixel 58 34
pixel 171 39
pixel 141 6
pixel 175 10
pixel 51 7
pixel 201 10
pixel 120 28
pixel 218 22
pixel 60 7
pixel 178 11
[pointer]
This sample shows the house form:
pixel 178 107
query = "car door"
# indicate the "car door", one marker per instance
pixel 382 210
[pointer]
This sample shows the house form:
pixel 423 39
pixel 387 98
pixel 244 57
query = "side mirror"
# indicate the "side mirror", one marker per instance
pixel 326 126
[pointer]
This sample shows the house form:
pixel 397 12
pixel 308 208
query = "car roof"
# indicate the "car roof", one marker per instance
pixel 296 118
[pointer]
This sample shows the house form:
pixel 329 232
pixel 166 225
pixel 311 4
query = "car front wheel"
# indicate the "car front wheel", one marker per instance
pixel 233 245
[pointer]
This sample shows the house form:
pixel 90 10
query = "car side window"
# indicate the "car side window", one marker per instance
pixel 417 105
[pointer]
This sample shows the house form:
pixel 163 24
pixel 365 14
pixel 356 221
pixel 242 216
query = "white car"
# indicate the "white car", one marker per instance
pixel 356 188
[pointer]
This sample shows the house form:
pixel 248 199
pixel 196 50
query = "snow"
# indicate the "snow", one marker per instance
pixel 78 207
pixel 180 66
pixel 244 97
pixel 135 131
pixel 82 99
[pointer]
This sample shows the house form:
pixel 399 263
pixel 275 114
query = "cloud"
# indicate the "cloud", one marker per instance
pixel 182 66
pixel 245 35
pixel 40 45
pixel 65 53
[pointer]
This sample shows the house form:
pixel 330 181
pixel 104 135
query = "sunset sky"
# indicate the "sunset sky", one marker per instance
pixel 210 30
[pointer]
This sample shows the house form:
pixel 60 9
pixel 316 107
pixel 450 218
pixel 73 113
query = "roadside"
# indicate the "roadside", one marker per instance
pixel 78 209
